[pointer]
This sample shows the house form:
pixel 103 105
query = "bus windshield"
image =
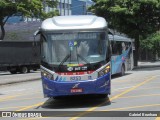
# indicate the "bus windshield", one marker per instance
pixel 75 48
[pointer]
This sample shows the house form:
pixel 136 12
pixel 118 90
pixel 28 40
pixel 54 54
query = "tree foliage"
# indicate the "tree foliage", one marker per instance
pixel 29 8
pixel 152 42
pixel 7 8
pixel 135 18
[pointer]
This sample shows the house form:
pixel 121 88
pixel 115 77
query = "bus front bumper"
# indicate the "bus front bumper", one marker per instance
pixel 100 85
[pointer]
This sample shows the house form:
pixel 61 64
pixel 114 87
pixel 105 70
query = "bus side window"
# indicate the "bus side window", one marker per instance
pixel 123 47
pixel 116 48
pixel 119 48
pixel 127 45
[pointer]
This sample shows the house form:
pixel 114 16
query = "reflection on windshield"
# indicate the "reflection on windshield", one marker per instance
pixel 91 47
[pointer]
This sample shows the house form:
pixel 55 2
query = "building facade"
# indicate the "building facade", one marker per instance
pixel 63 6
pixel 78 7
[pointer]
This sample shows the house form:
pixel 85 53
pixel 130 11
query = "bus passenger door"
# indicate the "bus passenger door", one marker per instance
pixel 116 59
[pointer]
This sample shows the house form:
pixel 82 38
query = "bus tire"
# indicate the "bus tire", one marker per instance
pixel 24 69
pixel 103 96
pixel 122 70
pixel 56 98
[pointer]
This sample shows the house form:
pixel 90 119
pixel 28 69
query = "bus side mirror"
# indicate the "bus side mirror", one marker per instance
pixel 34 35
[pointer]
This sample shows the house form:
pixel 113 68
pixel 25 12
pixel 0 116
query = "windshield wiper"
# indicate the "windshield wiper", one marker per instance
pixel 84 59
pixel 65 59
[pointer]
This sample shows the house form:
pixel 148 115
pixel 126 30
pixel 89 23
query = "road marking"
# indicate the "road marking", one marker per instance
pixel 31 106
pixel 119 81
pixel 124 85
pixel 157 118
pixel 155 82
pixel 15 99
pixel 15 90
pixel 114 97
pixel 121 88
pixel 148 88
pixel 124 80
pixel 140 96
pixel 8 98
pixel 132 107
pixel 12 107
pixel 11 97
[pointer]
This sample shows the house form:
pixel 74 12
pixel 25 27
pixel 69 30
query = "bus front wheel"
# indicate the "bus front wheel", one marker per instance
pixel 103 96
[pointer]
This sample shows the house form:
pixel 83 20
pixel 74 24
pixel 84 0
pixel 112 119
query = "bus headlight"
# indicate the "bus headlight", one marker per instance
pixel 104 71
pixel 47 75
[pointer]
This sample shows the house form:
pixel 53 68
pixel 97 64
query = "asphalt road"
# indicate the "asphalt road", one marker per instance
pixel 136 93
pixel 8 78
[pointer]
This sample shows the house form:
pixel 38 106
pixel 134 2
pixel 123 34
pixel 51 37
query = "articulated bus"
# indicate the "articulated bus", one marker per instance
pixel 75 56
pixel 122 54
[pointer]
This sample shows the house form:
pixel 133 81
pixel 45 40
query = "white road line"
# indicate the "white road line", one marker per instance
pixel 122 88
pixel 9 91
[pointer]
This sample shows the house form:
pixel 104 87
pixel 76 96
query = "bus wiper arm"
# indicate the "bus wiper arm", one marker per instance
pixel 65 59
pixel 85 60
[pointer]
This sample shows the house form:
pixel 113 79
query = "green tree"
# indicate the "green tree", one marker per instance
pixel 135 18
pixel 7 9
pixel 152 43
pixel 29 8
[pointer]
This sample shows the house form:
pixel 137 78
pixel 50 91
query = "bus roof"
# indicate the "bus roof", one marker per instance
pixel 119 38
pixel 75 22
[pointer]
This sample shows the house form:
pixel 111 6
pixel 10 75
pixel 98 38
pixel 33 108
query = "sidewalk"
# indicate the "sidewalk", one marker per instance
pixel 148 64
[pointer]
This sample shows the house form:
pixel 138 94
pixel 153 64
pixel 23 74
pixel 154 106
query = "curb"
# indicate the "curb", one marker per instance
pixel 147 66
pixel 13 82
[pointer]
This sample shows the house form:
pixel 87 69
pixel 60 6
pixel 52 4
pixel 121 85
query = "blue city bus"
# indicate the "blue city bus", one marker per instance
pixel 75 56
pixel 122 54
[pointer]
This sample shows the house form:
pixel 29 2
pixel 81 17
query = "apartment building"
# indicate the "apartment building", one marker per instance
pixel 80 7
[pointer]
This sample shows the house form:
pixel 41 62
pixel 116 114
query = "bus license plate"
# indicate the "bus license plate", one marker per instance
pixel 75 78
pixel 76 90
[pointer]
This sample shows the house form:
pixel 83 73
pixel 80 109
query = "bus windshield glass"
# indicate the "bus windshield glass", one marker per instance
pixel 76 48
